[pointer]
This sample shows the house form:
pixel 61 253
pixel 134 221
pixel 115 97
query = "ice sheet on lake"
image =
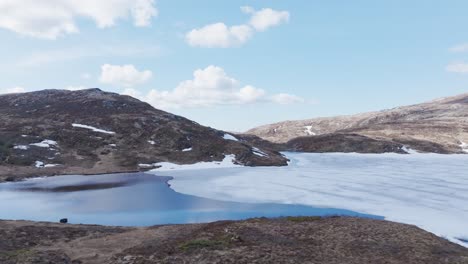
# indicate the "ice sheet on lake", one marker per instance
pixel 427 190
pixel 227 162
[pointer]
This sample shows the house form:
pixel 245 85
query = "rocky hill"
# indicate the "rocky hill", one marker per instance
pixel 91 131
pixel 438 126
pixel 286 240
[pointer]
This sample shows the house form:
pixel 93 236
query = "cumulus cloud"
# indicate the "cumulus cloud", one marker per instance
pixel 460 48
pixel 284 98
pixel 457 67
pixel 219 35
pixel 210 86
pixel 123 75
pixel 52 18
pixel 266 18
pixel 16 89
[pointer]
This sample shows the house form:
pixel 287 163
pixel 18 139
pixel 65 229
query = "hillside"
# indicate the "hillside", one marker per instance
pixel 261 240
pixel 438 126
pixel 91 131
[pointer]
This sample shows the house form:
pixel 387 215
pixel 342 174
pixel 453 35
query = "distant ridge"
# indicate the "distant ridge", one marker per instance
pixel 438 126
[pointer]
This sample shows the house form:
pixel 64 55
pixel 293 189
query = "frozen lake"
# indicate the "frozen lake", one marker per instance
pixel 134 199
pixel 427 190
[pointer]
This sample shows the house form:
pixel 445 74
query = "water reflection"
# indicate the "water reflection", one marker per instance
pixel 134 199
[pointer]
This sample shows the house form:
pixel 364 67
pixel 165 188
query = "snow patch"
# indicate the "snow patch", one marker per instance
pixel 259 152
pixel 41 164
pixel 143 165
pixel 409 150
pixel 45 143
pixel 151 142
pixel 230 137
pixel 187 149
pixel 51 165
pixel 21 147
pixel 309 131
pixel 464 147
pixel 227 162
pixel 94 129
pixel 427 190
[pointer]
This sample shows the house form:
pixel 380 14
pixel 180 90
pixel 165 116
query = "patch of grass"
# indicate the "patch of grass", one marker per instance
pixel 202 243
pixel 5 147
pixel 14 254
pixel 299 219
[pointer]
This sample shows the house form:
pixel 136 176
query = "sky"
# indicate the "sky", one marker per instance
pixel 234 65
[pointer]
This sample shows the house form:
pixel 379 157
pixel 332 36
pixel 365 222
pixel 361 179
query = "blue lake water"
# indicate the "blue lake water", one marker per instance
pixel 130 199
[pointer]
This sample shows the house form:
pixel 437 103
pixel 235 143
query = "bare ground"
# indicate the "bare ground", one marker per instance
pixel 285 240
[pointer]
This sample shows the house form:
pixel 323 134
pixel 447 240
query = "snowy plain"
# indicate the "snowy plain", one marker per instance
pixel 427 190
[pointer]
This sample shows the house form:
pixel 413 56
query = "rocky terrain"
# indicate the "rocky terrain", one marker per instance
pixel 439 126
pixel 285 240
pixel 53 132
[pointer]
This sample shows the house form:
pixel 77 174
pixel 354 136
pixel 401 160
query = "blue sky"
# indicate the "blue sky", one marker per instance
pixel 282 60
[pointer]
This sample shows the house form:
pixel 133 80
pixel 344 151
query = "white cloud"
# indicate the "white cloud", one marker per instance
pixel 52 18
pixel 457 67
pixel 284 98
pixel 124 76
pixel 16 89
pixel 459 48
pixel 75 88
pixel 266 18
pixel 210 86
pixel 219 35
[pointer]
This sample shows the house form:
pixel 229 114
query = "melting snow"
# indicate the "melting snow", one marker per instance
pixel 230 137
pixel 309 131
pixel 227 162
pixel 22 147
pixel 40 164
pixel 430 190
pixel 45 143
pixel 93 129
pixel 51 165
pixel 259 152
pixel 464 147
pixel 187 149
pixel 409 150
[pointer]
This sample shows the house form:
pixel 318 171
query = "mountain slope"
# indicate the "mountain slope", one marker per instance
pixel 91 131
pixel 437 126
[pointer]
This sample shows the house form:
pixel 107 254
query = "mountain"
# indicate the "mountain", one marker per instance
pixel 92 131
pixel 438 126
